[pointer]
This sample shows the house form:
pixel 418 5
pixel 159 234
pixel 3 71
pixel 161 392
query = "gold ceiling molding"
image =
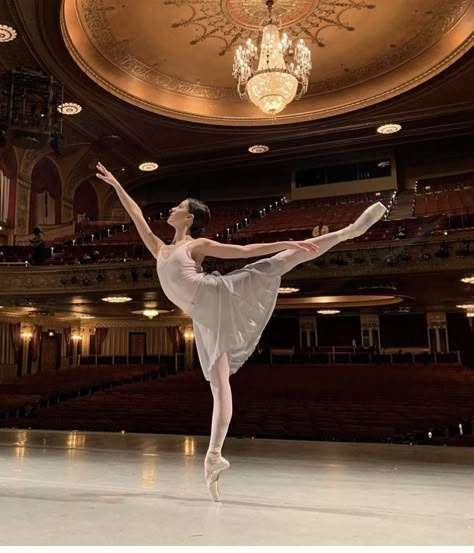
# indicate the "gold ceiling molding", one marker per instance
pixel 236 20
pixel 348 301
pixel 175 59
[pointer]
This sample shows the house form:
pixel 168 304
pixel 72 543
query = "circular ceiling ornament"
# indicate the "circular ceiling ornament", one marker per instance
pixel 7 33
pixel 148 166
pixel 259 149
pixel 69 108
pixel 389 128
pixel 249 14
pixel 364 52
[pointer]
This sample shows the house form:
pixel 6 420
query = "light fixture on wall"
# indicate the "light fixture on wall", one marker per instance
pixel 188 334
pixel 282 72
pixel 328 311
pixel 468 280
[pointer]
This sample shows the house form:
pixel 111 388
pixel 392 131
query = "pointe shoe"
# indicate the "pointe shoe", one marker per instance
pixel 212 477
pixel 368 218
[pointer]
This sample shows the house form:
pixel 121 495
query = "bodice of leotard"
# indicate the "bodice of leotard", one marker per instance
pixel 180 276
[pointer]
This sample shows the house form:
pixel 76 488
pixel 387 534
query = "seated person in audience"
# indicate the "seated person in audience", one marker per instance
pixel 401 233
pixel 38 246
pixel 320 232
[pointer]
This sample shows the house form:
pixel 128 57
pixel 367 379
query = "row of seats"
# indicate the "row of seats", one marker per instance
pixel 381 403
pixel 48 387
pixel 450 182
pixel 306 214
pixel 455 202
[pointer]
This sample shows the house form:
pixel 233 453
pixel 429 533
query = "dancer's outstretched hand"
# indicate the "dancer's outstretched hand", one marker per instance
pixel 105 175
pixel 305 245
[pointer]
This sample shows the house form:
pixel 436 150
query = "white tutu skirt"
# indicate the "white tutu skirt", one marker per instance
pixel 230 312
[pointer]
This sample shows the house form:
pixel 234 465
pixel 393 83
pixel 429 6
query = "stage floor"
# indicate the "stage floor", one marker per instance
pixel 76 488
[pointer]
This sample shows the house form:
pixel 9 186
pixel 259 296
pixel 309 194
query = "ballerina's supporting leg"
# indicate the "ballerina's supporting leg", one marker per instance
pixel 370 216
pixel 221 416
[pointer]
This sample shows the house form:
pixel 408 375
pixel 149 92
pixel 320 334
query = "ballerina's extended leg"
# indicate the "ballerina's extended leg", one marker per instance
pixel 369 217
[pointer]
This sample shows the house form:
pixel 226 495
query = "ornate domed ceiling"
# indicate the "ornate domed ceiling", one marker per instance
pixel 174 57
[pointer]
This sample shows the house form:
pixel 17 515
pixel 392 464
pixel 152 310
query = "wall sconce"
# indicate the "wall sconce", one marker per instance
pixel 188 334
pixel 26 335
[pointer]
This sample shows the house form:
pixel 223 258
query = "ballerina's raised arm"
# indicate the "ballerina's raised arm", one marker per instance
pixel 152 242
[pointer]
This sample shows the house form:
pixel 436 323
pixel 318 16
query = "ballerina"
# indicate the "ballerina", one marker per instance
pixel 229 312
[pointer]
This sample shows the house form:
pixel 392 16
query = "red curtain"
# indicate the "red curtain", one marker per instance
pixel 85 201
pixel 45 178
pixel 35 342
pixel 100 336
pixel 67 339
pixel 9 167
pixel 15 336
pixel 175 337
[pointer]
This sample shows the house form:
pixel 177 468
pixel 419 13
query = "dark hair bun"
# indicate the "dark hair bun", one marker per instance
pixel 202 216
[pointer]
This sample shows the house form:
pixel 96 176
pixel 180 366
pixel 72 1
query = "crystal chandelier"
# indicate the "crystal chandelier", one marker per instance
pixel 282 69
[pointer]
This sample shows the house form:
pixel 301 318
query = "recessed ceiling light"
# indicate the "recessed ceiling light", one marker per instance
pixel 117 299
pixel 468 280
pixel 389 128
pixel 148 166
pixel 288 290
pixel 259 149
pixel 69 108
pixel 328 311
pixel 7 33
